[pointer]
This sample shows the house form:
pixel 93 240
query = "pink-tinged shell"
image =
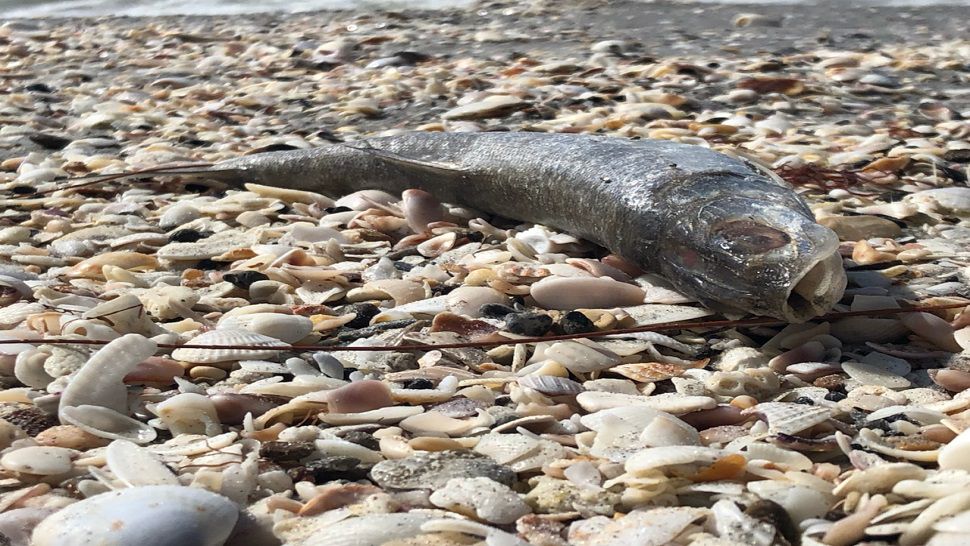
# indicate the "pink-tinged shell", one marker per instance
pixel 420 209
pixel 585 293
pixel 359 396
pixel 933 329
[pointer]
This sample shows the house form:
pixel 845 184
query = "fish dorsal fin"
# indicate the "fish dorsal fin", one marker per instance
pixel 436 168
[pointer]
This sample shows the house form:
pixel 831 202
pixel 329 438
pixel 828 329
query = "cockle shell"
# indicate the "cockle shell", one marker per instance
pixel 228 337
pixel 162 515
pixel 286 328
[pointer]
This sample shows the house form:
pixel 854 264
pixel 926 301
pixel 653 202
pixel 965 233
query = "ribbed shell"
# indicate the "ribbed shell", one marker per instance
pixel 228 337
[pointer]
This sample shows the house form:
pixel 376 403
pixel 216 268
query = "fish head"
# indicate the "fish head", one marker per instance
pixel 752 254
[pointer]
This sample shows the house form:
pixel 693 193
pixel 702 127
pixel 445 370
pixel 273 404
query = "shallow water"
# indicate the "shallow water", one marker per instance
pixel 87 8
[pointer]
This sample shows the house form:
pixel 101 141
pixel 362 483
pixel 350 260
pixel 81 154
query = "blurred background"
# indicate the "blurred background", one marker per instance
pixel 84 8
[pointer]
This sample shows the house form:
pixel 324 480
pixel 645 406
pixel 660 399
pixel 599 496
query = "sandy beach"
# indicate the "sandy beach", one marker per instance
pixel 848 429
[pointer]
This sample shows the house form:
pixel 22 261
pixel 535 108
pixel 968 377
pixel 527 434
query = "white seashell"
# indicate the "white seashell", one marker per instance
pixel 885 371
pixel 15 313
pixel 136 466
pixel 653 527
pixel 581 356
pixel 434 422
pixel 879 478
pixel 466 300
pixel 505 448
pixel 365 199
pixel 493 536
pixel 932 328
pixel 385 416
pixel 39 460
pixel 189 413
pixel 801 502
pixel 487 499
pixel 126 315
pixel 792 460
pixel 551 385
pixel 922 527
pixel 107 423
pixel 654 458
pixel 100 381
pixel 673 403
pixel 29 368
pixel 956 454
pixel 228 337
pixel 789 418
pixel 158 515
pixel 286 328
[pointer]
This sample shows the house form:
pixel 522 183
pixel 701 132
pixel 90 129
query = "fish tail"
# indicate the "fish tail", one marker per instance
pixel 185 169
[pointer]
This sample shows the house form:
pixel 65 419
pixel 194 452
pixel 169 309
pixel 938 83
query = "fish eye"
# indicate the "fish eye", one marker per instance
pixel 750 237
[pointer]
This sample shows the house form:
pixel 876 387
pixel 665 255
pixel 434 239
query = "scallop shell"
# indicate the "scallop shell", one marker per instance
pixel 286 328
pixel 551 385
pixel 228 337
pixel 789 418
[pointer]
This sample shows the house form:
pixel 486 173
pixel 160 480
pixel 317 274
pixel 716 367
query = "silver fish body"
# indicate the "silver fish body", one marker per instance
pixel 717 228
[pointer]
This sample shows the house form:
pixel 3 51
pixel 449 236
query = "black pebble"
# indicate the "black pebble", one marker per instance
pixel 362 438
pixel 495 310
pixel 186 236
pixel 334 210
pixel 39 88
pixel 245 279
pixel 575 322
pixel 329 469
pixel 804 400
pixel 365 312
pixel 835 396
pixel 403 266
pixel 286 451
pixel 418 384
pixel 528 323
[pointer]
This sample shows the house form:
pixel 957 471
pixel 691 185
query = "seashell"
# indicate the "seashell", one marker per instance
pixel 878 479
pixel 585 292
pixel 788 418
pixel 100 381
pixel 433 469
pixel 90 268
pixel 581 356
pixel 420 209
pixel 801 502
pixel 506 448
pixel 136 466
pixel 15 313
pixel 867 329
pixel 739 358
pixel 791 460
pixel 386 416
pixel 125 314
pixel 288 195
pixel 286 328
pixel 551 385
pixel 468 300
pixel 882 370
pixel 365 199
pixel 438 245
pixel 399 290
pixel 228 337
pixel 39 460
pixel 29 368
pixel 107 423
pixel 648 372
pixel 481 498
pixel 365 530
pixel 676 404
pixel 359 396
pixel 953 455
pixel 188 413
pixel 655 458
pixel 933 329
pixel 162 515
pixel 651 526
pixel 435 423
pixel 921 528
pixel 12 290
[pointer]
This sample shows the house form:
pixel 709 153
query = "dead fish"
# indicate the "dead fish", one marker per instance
pixel 719 228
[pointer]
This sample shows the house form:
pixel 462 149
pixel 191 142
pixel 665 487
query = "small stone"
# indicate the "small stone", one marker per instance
pixel 328 469
pixel 70 437
pixel 528 324
pixel 481 498
pixel 575 322
pixel 244 279
pixel 495 310
pixel 362 438
pixel 365 312
pixel 286 451
pixel 432 470
pixel 187 235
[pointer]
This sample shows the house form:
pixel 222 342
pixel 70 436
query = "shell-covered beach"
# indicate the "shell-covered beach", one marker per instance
pixel 619 429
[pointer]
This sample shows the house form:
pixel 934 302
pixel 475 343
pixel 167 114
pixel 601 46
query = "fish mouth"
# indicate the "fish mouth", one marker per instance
pixel 816 290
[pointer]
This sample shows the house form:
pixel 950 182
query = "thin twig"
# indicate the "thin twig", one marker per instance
pixel 755 321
